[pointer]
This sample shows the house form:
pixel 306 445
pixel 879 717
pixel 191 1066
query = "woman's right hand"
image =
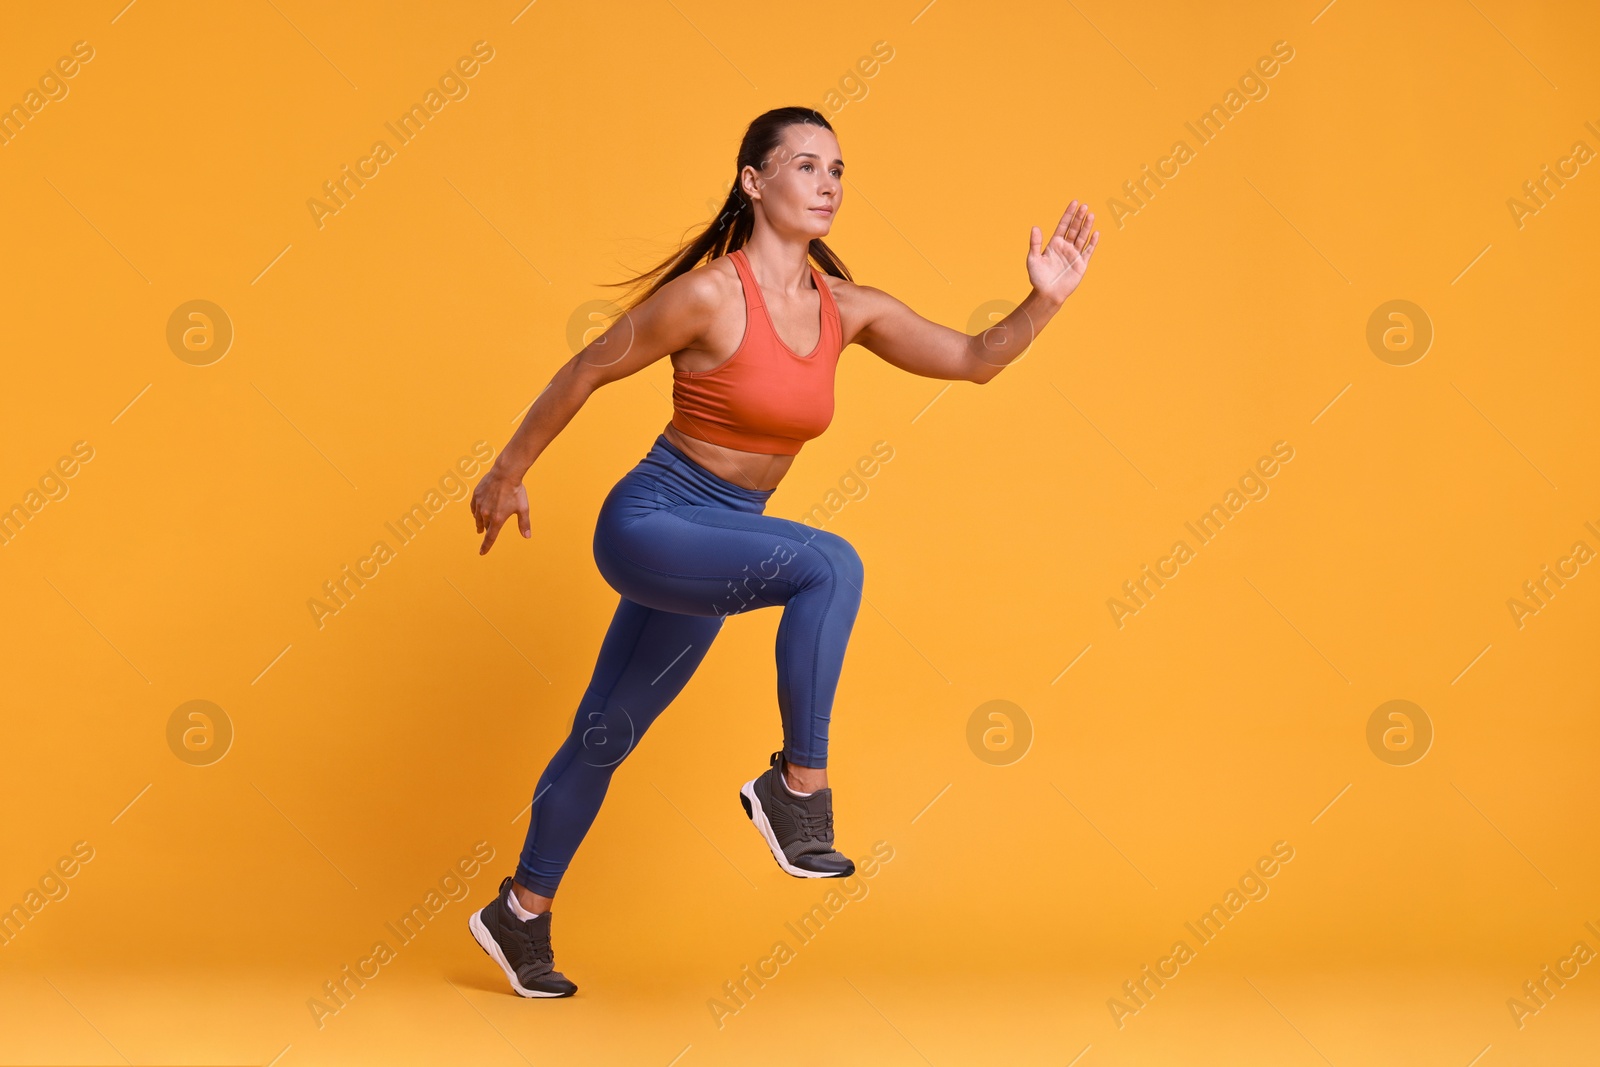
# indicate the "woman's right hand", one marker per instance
pixel 494 500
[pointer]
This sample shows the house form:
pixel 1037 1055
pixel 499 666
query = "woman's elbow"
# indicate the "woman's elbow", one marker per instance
pixel 980 366
pixel 587 371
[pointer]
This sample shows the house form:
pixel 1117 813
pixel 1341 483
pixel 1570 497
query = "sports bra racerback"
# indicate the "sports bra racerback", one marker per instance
pixel 765 397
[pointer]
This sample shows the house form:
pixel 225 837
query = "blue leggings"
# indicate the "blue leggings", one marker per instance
pixel 685 549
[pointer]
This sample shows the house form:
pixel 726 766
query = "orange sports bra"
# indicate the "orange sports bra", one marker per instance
pixel 765 397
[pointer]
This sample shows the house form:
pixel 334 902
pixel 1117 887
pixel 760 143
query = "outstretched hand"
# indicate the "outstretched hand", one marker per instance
pixel 494 500
pixel 1056 269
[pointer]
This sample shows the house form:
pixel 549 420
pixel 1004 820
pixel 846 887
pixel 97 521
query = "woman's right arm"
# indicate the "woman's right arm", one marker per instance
pixel 672 319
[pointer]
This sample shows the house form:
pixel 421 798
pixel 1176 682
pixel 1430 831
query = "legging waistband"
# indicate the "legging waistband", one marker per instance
pixel 671 462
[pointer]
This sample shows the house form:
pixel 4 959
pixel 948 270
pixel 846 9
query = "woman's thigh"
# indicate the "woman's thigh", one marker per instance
pixel 699 560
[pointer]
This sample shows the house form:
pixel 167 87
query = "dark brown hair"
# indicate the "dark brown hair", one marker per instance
pixel 736 220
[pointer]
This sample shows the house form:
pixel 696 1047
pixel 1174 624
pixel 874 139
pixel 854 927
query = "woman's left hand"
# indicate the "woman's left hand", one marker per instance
pixel 1056 269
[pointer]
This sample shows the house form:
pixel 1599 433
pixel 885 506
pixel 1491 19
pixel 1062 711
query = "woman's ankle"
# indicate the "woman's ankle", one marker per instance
pixel 530 900
pixel 804 779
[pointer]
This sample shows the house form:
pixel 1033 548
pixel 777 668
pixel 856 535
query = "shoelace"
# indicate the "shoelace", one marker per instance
pixel 819 824
pixel 539 945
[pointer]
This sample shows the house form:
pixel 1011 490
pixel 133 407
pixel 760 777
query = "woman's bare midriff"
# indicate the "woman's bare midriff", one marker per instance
pixel 752 470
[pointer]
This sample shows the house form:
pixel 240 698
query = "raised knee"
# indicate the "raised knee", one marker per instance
pixel 844 561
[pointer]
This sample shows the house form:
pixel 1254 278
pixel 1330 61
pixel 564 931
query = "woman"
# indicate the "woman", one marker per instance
pixel 754 335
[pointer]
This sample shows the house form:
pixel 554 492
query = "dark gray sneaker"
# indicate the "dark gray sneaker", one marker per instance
pixel 798 830
pixel 520 946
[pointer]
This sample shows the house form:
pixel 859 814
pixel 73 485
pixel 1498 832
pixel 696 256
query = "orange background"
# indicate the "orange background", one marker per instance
pixel 1230 312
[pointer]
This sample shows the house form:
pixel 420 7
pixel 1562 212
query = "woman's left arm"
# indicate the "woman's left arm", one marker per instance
pixel 901 337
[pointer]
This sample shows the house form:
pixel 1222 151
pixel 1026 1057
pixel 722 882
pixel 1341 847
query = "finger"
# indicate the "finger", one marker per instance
pixel 1078 227
pixel 1034 235
pixel 1066 219
pixel 488 542
pixel 1084 231
pixel 522 521
pixel 1069 223
pixel 1088 251
pixel 1058 238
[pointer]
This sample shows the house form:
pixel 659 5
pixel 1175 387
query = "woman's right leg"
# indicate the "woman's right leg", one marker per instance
pixel 700 560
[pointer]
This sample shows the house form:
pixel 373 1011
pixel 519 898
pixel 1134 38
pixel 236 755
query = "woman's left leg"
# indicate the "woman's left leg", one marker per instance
pixel 645 660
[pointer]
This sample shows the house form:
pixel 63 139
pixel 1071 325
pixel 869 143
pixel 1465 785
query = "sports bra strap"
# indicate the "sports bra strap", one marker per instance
pixel 747 278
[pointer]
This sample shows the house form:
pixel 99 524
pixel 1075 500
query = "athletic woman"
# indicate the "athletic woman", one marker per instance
pixel 754 334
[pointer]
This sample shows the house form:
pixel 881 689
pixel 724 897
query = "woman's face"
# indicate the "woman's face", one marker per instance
pixel 801 183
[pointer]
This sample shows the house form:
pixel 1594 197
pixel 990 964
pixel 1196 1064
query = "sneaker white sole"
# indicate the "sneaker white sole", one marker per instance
pixel 480 934
pixel 759 817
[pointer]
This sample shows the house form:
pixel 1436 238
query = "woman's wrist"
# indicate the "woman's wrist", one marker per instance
pixel 1041 306
pixel 508 469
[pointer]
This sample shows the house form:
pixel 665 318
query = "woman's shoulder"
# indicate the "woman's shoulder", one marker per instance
pixel 708 286
pixel 846 293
